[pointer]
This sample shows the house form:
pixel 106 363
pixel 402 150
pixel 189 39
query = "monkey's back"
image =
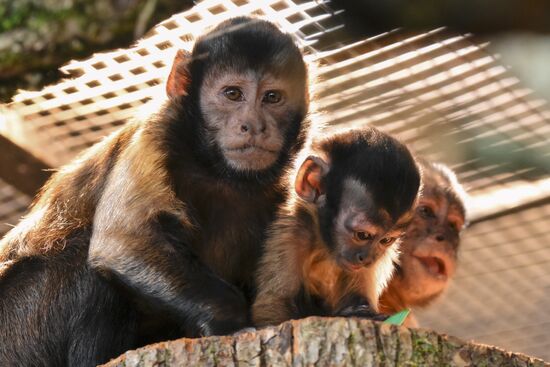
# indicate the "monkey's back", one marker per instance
pixel 66 203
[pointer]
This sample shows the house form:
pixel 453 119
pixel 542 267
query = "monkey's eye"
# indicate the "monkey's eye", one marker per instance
pixel 233 94
pixel 362 236
pixel 426 211
pixel 272 96
pixel 386 241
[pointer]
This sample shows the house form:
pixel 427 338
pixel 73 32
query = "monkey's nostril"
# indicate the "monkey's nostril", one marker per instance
pixel 360 258
pixel 440 238
pixel 244 128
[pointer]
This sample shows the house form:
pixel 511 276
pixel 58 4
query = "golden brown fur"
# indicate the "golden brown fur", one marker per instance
pixel 305 271
pixel 295 245
pixel 430 245
pixel 67 201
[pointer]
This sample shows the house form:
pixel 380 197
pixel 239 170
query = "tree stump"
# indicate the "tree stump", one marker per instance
pixel 319 341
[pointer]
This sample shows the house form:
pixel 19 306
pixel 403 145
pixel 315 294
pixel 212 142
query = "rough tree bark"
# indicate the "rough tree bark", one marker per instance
pixel 324 342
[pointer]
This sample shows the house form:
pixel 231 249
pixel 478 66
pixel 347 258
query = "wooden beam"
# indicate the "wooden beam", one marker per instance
pixel 21 169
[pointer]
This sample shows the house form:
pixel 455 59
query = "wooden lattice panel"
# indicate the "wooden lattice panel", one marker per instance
pixel 439 92
pixel 447 98
pixel 501 292
pixel 13 204
pixel 63 119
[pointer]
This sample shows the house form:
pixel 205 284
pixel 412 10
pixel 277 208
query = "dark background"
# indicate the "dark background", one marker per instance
pixel 370 17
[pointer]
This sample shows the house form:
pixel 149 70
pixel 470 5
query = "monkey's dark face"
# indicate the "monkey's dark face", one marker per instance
pixel 248 115
pixel 244 96
pixel 364 185
pixel 429 248
pixel 363 232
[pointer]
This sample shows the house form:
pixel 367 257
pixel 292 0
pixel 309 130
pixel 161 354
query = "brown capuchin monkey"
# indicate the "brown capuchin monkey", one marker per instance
pixel 330 252
pixel 155 232
pixel 428 251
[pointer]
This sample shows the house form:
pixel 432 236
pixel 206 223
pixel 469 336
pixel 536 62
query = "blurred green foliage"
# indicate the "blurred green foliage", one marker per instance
pixel 38 36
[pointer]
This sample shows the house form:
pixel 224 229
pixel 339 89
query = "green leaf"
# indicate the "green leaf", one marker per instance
pixel 398 318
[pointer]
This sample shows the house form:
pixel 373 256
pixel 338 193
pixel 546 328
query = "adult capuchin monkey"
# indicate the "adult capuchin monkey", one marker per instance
pixel 429 247
pixel 162 220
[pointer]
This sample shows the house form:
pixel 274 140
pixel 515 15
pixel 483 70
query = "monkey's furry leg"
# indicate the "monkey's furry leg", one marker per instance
pixel 61 313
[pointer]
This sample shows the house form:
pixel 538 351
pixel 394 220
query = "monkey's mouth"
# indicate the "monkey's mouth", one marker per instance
pixel 434 266
pixel 349 266
pixel 250 148
pixel 250 156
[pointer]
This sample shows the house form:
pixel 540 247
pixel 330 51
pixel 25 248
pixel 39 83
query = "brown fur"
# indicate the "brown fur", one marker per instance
pixel 324 278
pixel 295 245
pixel 153 234
pixel 306 272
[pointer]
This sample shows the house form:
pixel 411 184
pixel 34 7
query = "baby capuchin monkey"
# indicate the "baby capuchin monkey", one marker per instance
pixel 428 251
pixel 330 252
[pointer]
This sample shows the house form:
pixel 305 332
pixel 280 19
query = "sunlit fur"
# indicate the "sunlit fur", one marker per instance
pixel 430 245
pixel 303 271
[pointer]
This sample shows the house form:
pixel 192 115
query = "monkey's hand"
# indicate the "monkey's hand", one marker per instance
pixel 357 306
pixel 228 313
pixel 362 311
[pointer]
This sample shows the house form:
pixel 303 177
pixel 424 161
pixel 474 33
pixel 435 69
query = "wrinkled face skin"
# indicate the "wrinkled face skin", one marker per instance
pixel 429 248
pixel 247 115
pixel 363 232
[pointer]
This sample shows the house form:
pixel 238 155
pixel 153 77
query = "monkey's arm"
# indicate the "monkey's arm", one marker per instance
pixel 278 282
pixel 271 310
pixel 159 270
pixel 139 239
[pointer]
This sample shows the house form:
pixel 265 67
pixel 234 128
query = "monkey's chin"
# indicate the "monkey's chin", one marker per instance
pixel 250 158
pixel 350 267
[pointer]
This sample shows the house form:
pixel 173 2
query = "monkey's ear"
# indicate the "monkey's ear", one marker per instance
pixel 308 180
pixel 179 77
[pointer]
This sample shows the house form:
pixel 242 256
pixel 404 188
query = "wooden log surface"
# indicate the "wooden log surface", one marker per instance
pixel 319 341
